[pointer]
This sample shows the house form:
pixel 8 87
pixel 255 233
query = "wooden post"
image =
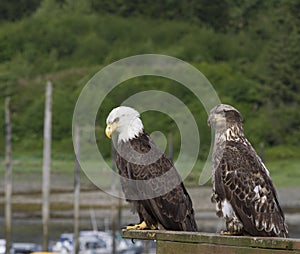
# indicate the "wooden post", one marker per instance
pixel 46 164
pixel 113 167
pixel 8 177
pixel 119 208
pixel 93 219
pixel 76 188
pixel 113 228
pixel 176 242
pixel 113 208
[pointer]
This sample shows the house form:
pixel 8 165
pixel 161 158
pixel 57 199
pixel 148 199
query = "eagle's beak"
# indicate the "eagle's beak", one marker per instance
pixel 216 120
pixel 210 120
pixel 110 128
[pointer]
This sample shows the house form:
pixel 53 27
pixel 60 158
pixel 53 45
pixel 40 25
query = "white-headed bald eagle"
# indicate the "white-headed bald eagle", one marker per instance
pixel 242 188
pixel 149 179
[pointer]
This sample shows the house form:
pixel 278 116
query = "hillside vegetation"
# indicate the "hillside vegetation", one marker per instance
pixel 248 50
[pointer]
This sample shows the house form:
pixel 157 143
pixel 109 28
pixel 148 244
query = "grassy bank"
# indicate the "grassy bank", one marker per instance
pixel 27 174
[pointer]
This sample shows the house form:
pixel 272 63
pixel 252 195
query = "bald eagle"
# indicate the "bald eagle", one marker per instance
pixel 149 179
pixel 242 188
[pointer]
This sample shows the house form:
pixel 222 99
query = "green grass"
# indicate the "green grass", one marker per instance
pixel 285 173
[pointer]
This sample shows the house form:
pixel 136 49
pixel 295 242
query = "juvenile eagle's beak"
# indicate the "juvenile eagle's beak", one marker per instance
pixel 210 120
pixel 110 128
pixel 216 120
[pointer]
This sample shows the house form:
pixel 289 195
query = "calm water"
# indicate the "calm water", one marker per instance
pixel 30 230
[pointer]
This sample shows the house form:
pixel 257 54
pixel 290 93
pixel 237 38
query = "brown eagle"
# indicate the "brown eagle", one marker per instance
pixel 149 179
pixel 242 188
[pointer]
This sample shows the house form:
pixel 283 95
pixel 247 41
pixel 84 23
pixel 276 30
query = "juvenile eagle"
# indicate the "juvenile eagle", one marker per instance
pixel 242 188
pixel 149 179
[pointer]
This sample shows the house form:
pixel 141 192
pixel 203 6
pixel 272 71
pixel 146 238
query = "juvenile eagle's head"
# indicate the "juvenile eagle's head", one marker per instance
pixel 125 121
pixel 224 116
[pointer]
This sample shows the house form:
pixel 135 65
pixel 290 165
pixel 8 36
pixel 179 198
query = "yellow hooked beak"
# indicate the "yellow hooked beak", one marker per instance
pixel 216 119
pixel 110 128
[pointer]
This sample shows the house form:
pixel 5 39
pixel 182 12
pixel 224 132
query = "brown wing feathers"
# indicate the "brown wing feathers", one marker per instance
pixel 251 192
pixel 172 210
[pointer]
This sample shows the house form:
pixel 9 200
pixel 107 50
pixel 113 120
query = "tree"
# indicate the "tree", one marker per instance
pixel 15 10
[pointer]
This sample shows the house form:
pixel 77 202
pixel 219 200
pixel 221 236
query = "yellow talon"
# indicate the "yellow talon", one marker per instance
pixel 141 226
pixel 152 227
pixel 230 233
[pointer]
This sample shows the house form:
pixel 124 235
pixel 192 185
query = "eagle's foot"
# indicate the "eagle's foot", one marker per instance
pixel 152 227
pixel 141 226
pixel 227 232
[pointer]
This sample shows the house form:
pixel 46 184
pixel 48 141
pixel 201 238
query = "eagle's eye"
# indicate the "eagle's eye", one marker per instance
pixel 116 120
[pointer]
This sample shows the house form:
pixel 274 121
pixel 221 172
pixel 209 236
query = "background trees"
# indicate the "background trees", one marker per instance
pixel 248 50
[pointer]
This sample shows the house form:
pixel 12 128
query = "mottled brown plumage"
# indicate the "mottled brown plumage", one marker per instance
pixel 242 188
pixel 149 180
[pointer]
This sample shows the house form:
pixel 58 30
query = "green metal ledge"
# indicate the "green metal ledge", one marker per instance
pixel 197 242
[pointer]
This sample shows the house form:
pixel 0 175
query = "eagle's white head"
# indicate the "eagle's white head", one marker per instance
pixel 125 121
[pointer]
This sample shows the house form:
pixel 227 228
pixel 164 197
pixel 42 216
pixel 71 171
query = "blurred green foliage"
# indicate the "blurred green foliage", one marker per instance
pixel 249 50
